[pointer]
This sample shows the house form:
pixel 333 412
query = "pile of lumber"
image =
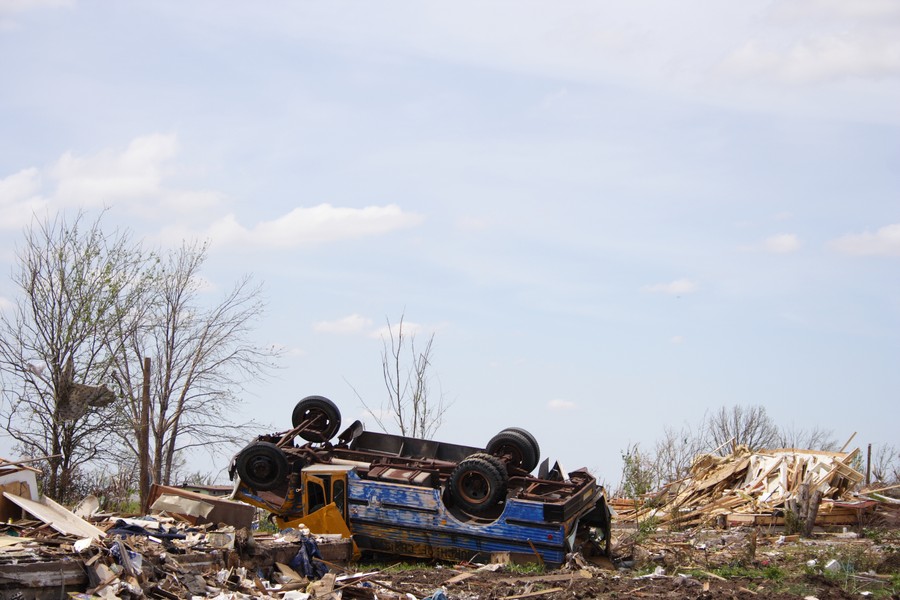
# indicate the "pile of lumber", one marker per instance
pixel 764 487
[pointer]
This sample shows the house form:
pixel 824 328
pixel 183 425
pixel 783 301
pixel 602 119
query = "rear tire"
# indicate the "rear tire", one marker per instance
pixel 516 447
pixel 324 417
pixel 533 440
pixel 476 485
pixel 262 466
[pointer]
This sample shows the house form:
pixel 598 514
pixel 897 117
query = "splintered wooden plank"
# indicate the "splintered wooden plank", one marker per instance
pixel 723 473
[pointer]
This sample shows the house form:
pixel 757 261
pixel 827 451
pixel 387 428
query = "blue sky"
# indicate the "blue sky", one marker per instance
pixel 613 216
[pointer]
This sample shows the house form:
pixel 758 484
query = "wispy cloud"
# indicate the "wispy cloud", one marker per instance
pixel 288 351
pixel 357 324
pixel 674 288
pixel 9 8
pixel 132 179
pixel 783 243
pixel 135 180
pixel 351 324
pixel 315 225
pixel 20 198
pixel 560 404
pixel 815 41
pixel 18 6
pixel 677 339
pixel 409 329
pixel 884 242
pixel 820 58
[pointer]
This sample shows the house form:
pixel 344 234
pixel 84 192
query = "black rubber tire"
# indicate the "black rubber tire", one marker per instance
pixel 515 446
pixel 531 439
pixel 326 414
pixel 497 462
pixel 262 466
pixel 476 485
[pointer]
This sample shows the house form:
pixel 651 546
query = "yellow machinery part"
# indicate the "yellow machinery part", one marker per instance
pixel 326 520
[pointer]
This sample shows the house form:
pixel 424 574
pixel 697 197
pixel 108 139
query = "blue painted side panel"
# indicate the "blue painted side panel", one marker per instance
pixel 415 518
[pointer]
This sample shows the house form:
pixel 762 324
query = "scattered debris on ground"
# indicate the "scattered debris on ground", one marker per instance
pixel 678 546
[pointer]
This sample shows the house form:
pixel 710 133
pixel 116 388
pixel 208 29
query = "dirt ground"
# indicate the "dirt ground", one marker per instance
pixel 496 586
pixel 702 564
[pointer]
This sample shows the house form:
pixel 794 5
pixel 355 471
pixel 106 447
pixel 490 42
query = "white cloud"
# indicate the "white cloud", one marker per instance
pixel 677 339
pixel 20 198
pixel 315 225
pixel 819 58
pixel 783 243
pixel 347 325
pixel 9 8
pixel 289 351
pixel 6 304
pixel 804 10
pixel 19 6
pixel 409 329
pixel 816 41
pixel 133 180
pixel 560 404
pixel 111 177
pixel 675 288
pixel 884 242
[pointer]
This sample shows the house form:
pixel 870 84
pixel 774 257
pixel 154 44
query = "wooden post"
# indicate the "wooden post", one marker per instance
pixel 869 466
pixel 144 441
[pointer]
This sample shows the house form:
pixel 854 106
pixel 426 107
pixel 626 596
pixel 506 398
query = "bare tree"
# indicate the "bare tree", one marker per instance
pixel 808 439
pixel 73 280
pixel 740 426
pixel 886 464
pixel 407 371
pixel 201 358
pixel 674 454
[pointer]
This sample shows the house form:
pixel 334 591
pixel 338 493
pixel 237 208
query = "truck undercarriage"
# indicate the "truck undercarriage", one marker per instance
pixel 424 498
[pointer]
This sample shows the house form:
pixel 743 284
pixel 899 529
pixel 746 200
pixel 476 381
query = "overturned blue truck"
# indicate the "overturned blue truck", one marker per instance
pixel 422 498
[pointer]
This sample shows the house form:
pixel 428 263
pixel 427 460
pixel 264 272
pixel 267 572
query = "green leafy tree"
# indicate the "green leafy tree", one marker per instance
pixel 73 280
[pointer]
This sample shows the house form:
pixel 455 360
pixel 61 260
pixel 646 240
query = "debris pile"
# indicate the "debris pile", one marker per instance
pixel 165 555
pixel 768 487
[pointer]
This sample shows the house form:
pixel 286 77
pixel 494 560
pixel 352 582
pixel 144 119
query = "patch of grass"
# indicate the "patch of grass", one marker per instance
pixel 646 528
pixel 526 568
pixel 399 567
pixel 771 572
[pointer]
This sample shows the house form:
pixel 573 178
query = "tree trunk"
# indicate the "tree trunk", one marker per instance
pixel 812 513
pixel 144 441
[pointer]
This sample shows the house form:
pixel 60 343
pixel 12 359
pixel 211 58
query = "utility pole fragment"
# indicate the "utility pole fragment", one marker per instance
pixel 144 441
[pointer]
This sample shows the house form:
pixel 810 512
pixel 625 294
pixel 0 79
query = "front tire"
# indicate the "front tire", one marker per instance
pixel 262 466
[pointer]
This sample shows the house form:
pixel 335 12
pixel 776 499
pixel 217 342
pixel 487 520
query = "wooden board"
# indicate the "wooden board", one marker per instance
pixel 57 517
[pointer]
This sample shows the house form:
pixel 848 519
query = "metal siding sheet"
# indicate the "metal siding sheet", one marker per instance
pixel 413 516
